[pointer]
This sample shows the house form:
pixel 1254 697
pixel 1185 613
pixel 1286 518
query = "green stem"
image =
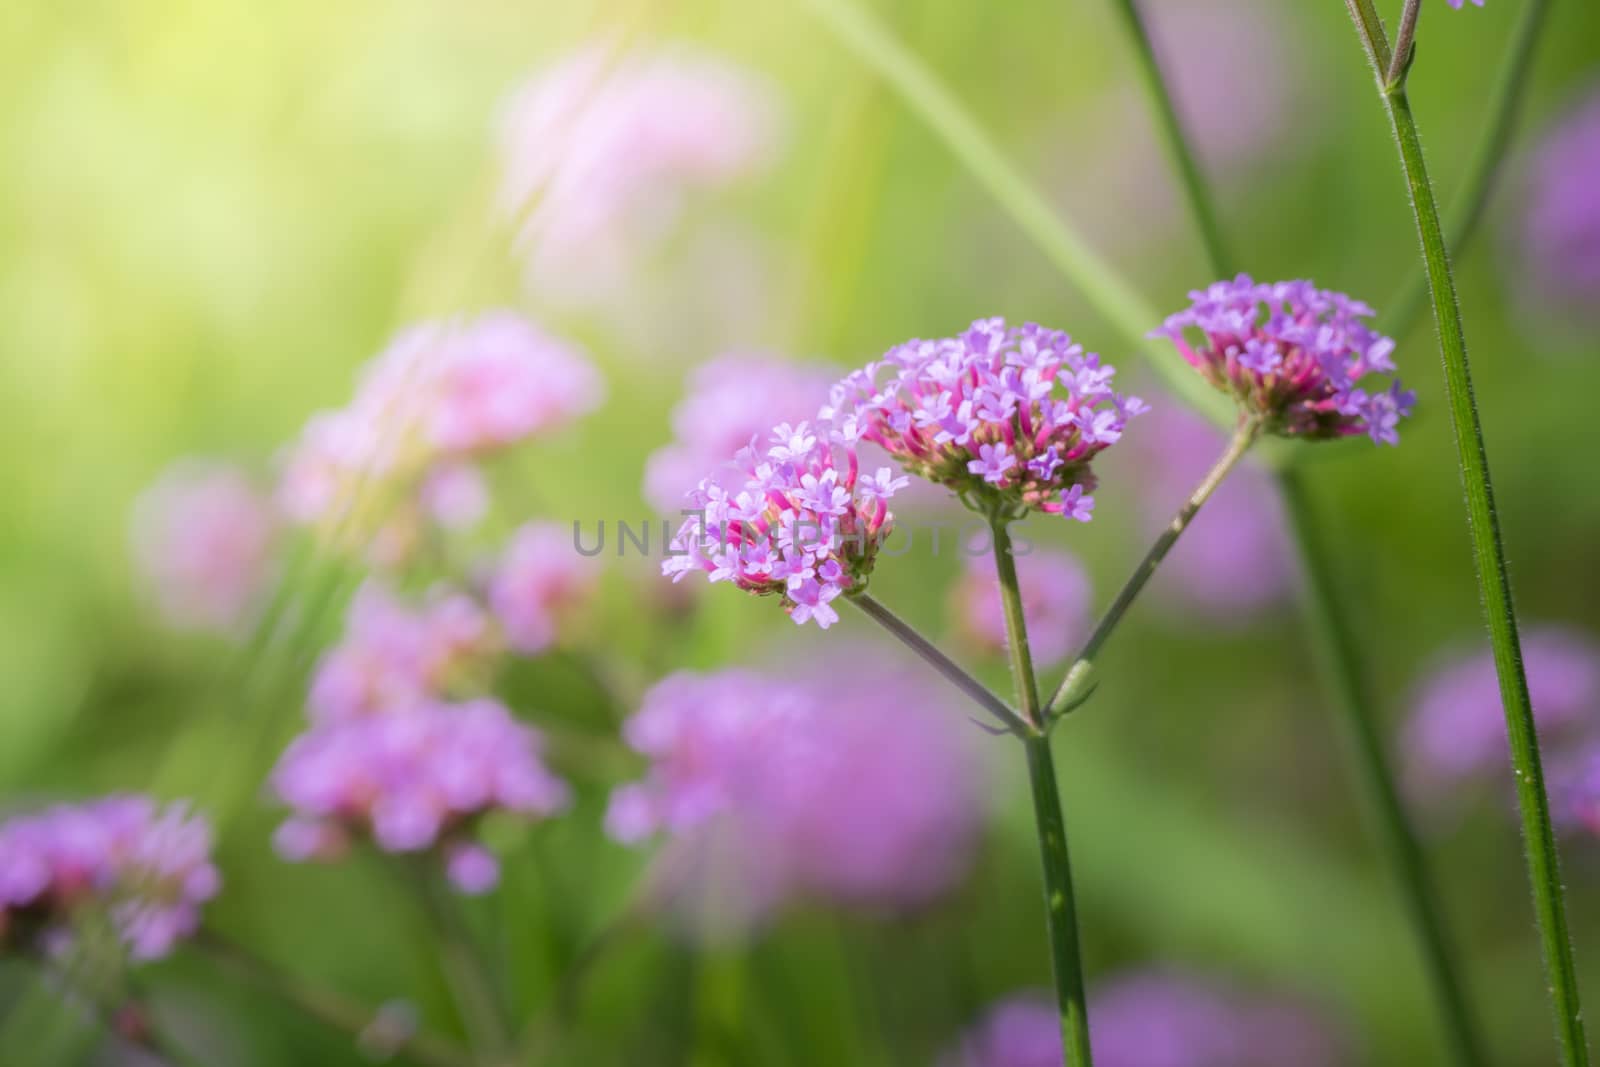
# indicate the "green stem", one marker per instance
pixel 328 1007
pixel 1061 918
pixel 1341 662
pixel 1489 557
pixel 1478 179
pixel 947 667
pixel 1201 205
pixel 471 982
pixel 1074 687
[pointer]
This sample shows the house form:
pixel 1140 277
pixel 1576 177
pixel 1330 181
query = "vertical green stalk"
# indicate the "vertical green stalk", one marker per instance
pixel 1342 668
pixel 1061 915
pixel 1202 207
pixel 1488 554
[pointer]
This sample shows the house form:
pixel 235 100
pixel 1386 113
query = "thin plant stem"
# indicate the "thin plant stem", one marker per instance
pixel 1478 179
pixel 471 982
pixel 1489 557
pixel 1061 915
pixel 1075 685
pixel 1404 41
pixel 947 668
pixel 1342 667
pixel 1202 207
pixel 329 1007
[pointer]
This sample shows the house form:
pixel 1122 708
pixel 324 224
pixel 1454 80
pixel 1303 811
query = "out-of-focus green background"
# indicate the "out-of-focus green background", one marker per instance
pixel 210 214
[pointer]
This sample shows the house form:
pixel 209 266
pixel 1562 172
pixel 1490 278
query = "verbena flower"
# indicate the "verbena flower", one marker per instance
pixel 1292 355
pixel 793 518
pixel 394 654
pixel 539 580
pixel 1561 224
pixel 858 788
pixel 441 395
pixel 147 867
pixel 1158 1019
pixel 413 781
pixel 1007 417
pixel 1055 604
pixel 204 537
pixel 1457 729
pixel 603 149
pixel 1457 3
pixel 1235 560
pixel 729 402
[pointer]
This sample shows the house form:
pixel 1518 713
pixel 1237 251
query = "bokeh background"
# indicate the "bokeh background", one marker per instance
pixel 211 215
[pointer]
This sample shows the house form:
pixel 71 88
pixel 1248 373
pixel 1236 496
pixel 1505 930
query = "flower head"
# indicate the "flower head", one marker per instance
pixel 857 788
pixel 413 781
pixel 1055 604
pixel 1292 355
pixel 204 536
pixel 148 867
pixel 1157 1019
pixel 1004 416
pixel 540 579
pixel 787 519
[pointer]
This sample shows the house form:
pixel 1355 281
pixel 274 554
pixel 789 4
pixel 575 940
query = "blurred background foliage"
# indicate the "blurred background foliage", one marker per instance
pixel 211 214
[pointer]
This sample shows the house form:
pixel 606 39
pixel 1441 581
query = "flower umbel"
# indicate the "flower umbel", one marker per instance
pixel 789 520
pixel 1292 355
pixel 1006 416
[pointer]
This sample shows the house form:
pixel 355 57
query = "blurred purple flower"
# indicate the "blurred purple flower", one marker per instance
pixel 1457 730
pixel 1561 225
pixel 1158 1019
pixel 540 579
pixel 602 149
pixel 1013 415
pixel 729 402
pixel 394 655
pixel 857 787
pixel 1292 354
pixel 786 519
pixel 149 867
pixel 204 537
pixel 1457 3
pixel 1055 603
pixel 411 781
pixel 1236 559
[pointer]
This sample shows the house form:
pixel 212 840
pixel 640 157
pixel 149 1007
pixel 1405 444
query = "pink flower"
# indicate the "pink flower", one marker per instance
pixel 1055 603
pixel 540 580
pixel 205 537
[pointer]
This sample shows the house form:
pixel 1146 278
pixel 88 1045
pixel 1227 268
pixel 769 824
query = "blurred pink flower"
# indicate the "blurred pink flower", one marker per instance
pixel 601 150
pixel 539 581
pixel 204 538
pixel 1055 603
pixel 1561 223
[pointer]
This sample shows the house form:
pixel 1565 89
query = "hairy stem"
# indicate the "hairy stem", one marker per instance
pixel 1075 685
pixel 1494 584
pixel 1201 204
pixel 1061 918
pixel 1342 668
pixel 948 669
pixel 1478 179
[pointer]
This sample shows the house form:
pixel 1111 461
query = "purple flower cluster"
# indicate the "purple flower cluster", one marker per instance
pixel 1561 227
pixel 1292 354
pixel 204 537
pixel 1055 604
pixel 730 402
pixel 602 149
pixel 1158 1019
pixel 393 655
pixel 1457 730
pixel 538 582
pixel 148 867
pixel 788 520
pixel 1008 416
pixel 1235 560
pixel 857 788
pixel 439 398
pixel 413 780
